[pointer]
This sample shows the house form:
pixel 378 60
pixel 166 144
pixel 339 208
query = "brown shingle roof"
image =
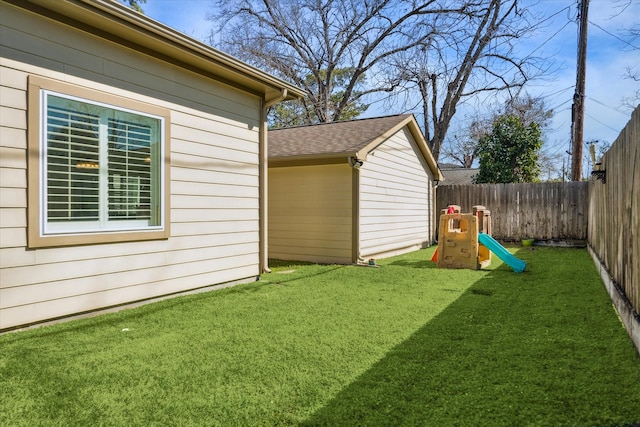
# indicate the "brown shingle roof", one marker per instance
pixel 329 138
pixel 457 176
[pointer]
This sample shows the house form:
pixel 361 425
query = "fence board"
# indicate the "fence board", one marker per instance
pixel 543 211
pixel 614 212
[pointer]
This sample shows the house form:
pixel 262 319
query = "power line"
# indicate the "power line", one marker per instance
pixel 603 124
pixel 557 13
pixel 547 40
pixel 558 91
pixel 561 104
pixel 614 36
pixel 605 105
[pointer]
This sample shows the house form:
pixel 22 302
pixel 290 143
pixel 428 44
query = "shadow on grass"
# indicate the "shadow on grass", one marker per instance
pixel 514 349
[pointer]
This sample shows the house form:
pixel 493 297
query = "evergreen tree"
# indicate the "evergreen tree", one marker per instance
pixel 510 152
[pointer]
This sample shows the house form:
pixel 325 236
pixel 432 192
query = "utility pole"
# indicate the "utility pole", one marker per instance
pixel 577 111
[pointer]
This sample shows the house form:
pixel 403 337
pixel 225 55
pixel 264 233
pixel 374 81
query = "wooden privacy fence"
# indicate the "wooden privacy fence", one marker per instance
pixel 542 211
pixel 614 215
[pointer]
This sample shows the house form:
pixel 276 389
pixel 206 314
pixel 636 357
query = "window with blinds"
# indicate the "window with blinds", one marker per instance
pixel 102 168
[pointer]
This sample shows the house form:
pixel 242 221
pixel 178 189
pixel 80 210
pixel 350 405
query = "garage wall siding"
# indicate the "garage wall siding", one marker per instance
pixel 310 211
pixel 214 170
pixel 396 199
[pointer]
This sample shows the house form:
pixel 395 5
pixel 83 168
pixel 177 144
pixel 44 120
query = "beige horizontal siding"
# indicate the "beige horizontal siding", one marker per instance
pixel 320 236
pixel 215 189
pixel 14 98
pixel 12 77
pixel 203 236
pixel 12 217
pixel 192 170
pixel 12 117
pixel 396 198
pixel 310 213
pixel 194 128
pixel 11 237
pixel 13 198
pixel 217 154
pixel 23 314
pixel 13 178
pixel 14 158
pixel 192 228
pixel 100 271
pixel 390 229
pixel 308 254
pixel 214 171
pixel 13 138
pixel 187 214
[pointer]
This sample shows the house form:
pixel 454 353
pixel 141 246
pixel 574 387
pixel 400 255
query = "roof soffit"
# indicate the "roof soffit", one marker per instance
pixel 119 24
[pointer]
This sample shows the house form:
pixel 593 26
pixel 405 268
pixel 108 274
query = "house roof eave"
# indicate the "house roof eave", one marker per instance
pixel 308 160
pixel 120 24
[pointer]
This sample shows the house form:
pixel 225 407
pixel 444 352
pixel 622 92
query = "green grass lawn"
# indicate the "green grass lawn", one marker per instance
pixel 403 344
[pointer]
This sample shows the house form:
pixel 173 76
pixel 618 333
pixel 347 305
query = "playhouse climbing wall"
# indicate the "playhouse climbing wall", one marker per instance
pixel 458 245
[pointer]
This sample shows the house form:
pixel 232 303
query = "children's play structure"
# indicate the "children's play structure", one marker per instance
pixel 464 241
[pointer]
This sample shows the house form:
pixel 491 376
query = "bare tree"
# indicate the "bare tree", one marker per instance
pixel 630 36
pixel 474 54
pixel 134 4
pixel 445 50
pixel 549 169
pixel 632 73
pixel 307 41
pixel 463 148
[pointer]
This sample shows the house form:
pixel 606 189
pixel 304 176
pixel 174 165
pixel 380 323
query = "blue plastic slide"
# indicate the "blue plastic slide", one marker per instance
pixel 516 264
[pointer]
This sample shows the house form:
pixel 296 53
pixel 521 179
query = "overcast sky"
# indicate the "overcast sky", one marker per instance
pixel 609 54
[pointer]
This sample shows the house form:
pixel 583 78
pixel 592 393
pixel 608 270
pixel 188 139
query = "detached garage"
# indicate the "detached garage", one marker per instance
pixel 348 191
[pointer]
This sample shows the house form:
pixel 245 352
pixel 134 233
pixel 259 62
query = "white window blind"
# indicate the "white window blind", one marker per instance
pixel 73 150
pixel 102 167
pixel 129 170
